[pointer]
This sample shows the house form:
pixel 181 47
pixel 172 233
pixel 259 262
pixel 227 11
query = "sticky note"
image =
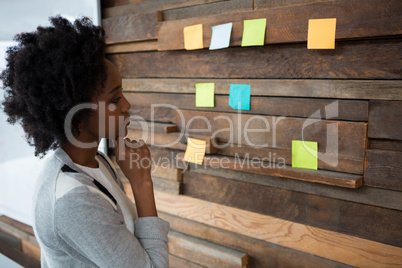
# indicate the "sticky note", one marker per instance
pixel 204 94
pixel 195 151
pixel 321 34
pixel 254 32
pixel 304 154
pixel 221 36
pixel 239 97
pixel 193 37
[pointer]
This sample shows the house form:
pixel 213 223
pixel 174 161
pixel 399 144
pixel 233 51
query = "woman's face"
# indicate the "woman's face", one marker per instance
pixel 111 117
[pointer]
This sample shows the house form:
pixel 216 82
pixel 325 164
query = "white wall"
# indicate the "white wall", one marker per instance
pixel 18 165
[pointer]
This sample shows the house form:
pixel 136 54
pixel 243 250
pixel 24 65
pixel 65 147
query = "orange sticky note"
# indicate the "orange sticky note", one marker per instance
pixel 195 151
pixel 321 34
pixel 193 38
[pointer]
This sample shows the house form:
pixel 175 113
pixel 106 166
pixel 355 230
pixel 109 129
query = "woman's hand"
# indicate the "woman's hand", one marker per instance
pixel 134 159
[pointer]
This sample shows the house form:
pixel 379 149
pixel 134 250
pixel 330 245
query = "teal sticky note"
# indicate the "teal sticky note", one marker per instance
pixel 304 154
pixel 221 36
pixel 254 32
pixel 204 94
pixel 239 96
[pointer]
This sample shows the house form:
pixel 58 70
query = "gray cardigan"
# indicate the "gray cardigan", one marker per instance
pixel 78 223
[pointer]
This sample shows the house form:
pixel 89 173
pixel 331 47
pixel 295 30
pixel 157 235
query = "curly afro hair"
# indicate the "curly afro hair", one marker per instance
pixel 50 71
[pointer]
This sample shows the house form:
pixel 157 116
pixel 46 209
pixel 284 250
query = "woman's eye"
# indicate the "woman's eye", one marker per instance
pixel 116 100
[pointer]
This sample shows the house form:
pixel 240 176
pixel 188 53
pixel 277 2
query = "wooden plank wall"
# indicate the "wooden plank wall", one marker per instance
pixel 342 215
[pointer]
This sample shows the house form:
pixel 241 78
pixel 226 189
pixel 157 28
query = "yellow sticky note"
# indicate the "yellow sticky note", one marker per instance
pixel 204 94
pixel 321 34
pixel 304 154
pixel 195 151
pixel 193 37
pixel 254 32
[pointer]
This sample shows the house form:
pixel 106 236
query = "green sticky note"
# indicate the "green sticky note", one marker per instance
pixel 204 94
pixel 254 32
pixel 304 154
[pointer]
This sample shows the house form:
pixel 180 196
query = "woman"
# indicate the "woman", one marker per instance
pixel 67 97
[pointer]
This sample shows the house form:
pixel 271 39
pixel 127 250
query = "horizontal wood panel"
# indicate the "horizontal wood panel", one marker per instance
pixel 144 6
pixel 298 107
pixel 264 4
pixel 152 126
pixel 364 195
pixel 323 212
pixel 150 45
pixel 278 131
pixel 316 176
pixel 383 169
pixel 205 253
pixel 327 244
pixel 290 24
pixel 262 254
pixel 168 186
pixel 208 9
pixel 338 89
pixel 132 28
pixel 373 59
pixel 178 262
pixel 19 257
pixel 174 140
pixel 385 120
pixel 166 172
pixel 273 155
pixel 391 145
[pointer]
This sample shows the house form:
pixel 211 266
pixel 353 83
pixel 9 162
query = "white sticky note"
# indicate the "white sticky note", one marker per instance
pixel 221 36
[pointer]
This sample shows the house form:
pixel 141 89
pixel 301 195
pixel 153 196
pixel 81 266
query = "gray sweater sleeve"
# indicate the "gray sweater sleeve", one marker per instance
pixel 93 230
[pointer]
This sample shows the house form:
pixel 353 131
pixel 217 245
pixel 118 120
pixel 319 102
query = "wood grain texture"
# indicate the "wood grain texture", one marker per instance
pixel 112 3
pixel 30 250
pixel 338 89
pixel 151 45
pixel 177 262
pixel 363 195
pixel 350 110
pixel 17 256
pixel 264 4
pixel 327 244
pixel 176 140
pixel 290 24
pixel 390 145
pixel 168 186
pixel 152 126
pixel 145 6
pixel 275 132
pixel 208 9
pixel 373 223
pixel 205 253
pixel 168 173
pixel 383 169
pixel 232 138
pixel 261 253
pixel 132 28
pixel 385 120
pixel 17 229
pixel 367 59
pixel 276 170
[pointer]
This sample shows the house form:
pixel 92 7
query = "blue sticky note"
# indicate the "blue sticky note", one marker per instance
pixel 221 36
pixel 239 97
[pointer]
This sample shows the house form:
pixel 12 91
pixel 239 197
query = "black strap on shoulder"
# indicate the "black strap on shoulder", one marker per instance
pixel 66 168
pixel 110 167
pixel 104 190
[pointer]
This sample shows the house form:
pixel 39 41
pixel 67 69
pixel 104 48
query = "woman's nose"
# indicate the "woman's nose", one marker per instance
pixel 126 104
